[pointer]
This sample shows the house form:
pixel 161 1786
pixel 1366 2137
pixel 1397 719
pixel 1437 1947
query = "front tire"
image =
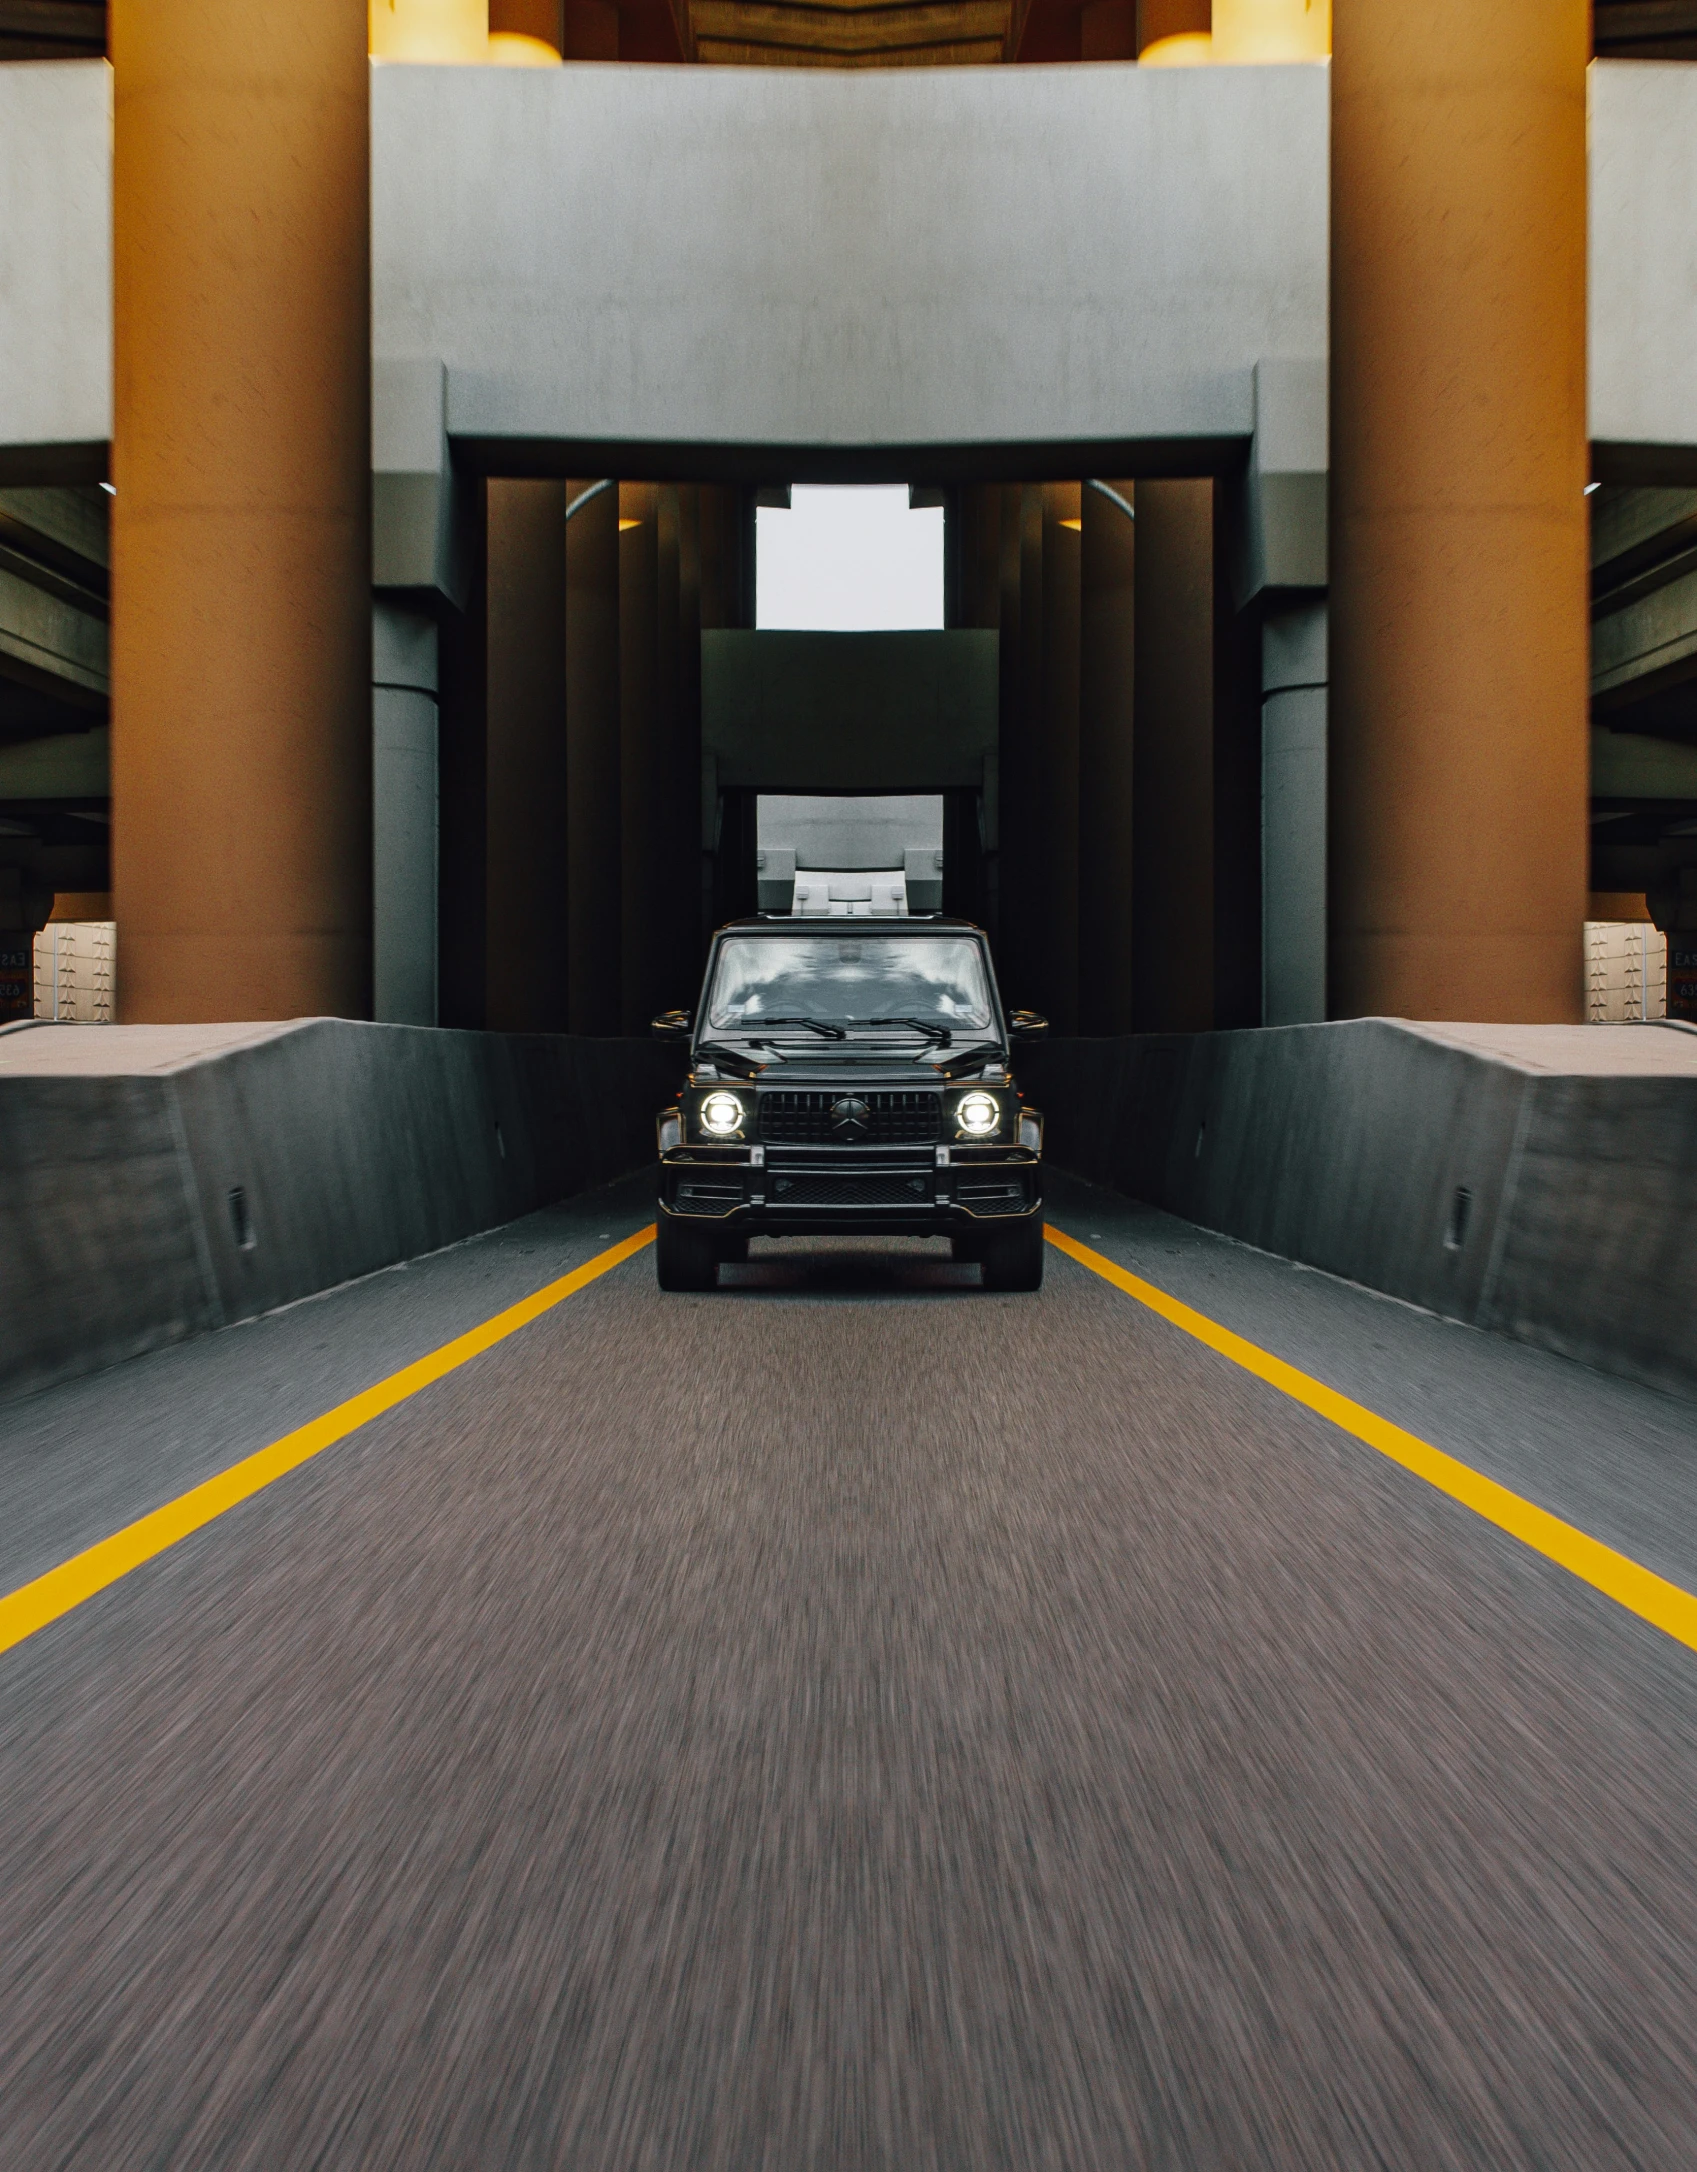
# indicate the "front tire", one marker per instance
pixel 684 1258
pixel 1012 1259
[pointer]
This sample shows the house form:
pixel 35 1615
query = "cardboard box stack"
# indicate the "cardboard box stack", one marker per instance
pixel 1626 971
pixel 73 971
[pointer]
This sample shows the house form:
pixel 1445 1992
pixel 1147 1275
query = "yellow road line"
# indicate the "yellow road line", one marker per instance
pixel 1629 1584
pixel 33 1606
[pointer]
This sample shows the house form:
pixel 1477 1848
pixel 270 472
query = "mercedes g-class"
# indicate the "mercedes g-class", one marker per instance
pixel 850 1075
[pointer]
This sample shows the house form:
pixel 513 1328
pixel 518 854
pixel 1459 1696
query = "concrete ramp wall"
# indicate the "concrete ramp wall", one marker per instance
pixel 158 1181
pixel 1537 1181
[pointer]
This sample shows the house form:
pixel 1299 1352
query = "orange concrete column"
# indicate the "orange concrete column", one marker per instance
pixel 1173 760
pixel 1458 708
pixel 1106 713
pixel 241 547
pixel 525 934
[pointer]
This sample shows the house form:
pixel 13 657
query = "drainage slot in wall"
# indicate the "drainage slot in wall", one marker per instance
pixel 241 1219
pixel 1461 1209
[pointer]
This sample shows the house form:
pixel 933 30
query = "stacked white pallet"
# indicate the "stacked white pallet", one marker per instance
pixel 74 963
pixel 1626 971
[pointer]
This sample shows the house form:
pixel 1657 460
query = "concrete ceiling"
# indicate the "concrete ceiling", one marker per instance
pixel 1646 29
pixel 850 33
pixel 52 29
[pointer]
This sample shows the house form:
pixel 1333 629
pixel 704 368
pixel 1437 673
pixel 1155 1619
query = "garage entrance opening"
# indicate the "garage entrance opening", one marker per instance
pixel 820 856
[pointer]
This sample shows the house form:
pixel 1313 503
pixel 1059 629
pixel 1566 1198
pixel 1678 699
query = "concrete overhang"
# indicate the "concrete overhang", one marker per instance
pixel 902 274
pixel 884 274
pixel 55 271
pixel 1643 271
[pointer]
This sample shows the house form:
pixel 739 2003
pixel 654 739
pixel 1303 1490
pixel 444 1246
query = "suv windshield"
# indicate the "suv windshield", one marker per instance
pixel 850 980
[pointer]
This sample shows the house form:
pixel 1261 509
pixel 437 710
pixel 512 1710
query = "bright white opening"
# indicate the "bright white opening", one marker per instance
pixel 848 560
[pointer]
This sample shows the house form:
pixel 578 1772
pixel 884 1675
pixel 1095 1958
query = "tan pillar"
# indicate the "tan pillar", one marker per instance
pixel 1019 857
pixel 529 19
pixel 1106 713
pixel 673 958
pixel 462 895
pixel 979 512
pixel 1158 19
pixel 695 903
pixel 1173 760
pixel 241 547
pixel 592 762
pixel 526 932
pixel 589 29
pixel 1058 767
pixel 640 756
pixel 1108 30
pixel 1458 709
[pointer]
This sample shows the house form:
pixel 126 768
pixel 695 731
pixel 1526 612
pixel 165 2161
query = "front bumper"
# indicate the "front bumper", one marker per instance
pixel 810 1191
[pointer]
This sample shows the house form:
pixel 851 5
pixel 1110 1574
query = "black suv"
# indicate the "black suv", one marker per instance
pixel 850 1075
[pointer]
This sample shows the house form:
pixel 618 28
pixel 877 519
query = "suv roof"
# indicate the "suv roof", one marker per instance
pixel 858 923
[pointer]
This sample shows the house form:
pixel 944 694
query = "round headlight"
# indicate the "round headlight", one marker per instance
pixel 978 1115
pixel 721 1114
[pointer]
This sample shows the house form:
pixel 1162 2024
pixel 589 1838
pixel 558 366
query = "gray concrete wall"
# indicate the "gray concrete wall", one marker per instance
pixel 630 257
pixel 848 712
pixel 836 261
pixel 1643 269
pixel 55 270
pixel 352 1146
pixel 1346 1146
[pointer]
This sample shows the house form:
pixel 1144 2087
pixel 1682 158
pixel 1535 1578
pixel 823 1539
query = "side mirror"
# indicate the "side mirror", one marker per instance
pixel 671 1026
pixel 1027 1025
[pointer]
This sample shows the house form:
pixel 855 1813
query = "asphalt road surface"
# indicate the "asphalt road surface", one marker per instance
pixel 848 1721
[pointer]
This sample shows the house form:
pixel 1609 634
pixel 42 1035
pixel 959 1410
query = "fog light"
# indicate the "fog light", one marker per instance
pixel 978 1115
pixel 721 1114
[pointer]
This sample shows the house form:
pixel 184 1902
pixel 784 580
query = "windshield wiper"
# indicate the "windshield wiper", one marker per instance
pixel 813 1025
pixel 744 1066
pixel 940 1034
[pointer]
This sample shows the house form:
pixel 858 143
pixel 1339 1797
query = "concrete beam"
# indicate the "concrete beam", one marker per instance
pixel 1284 526
pixel 419 542
pixel 55 271
pixel 70 765
pixel 1643 270
pixel 843 713
pixel 1650 642
pixel 861 269
pixel 1632 765
pixel 870 272
pixel 49 643
pixel 67 530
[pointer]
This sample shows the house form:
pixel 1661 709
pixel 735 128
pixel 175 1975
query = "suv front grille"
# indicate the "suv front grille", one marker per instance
pixel 898 1116
pixel 850 1188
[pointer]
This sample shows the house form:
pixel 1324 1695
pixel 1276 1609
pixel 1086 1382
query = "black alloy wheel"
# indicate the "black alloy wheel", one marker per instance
pixel 1012 1259
pixel 684 1258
